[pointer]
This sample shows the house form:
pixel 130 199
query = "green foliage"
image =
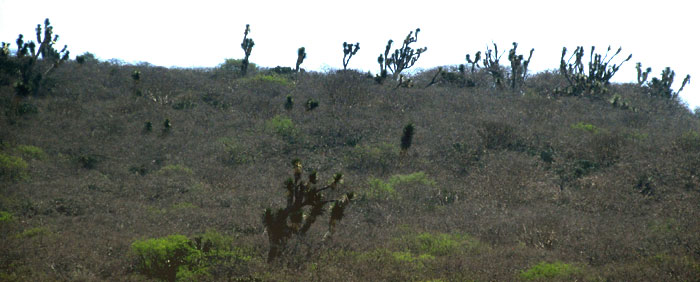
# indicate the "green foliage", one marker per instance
pixel 379 157
pixel 32 232
pixel 247 46
pixel 167 258
pixel 12 168
pixel 270 79
pixel 301 55
pixel 544 270
pixel 5 216
pixel 31 152
pixel 407 137
pixel 234 67
pixel 596 80
pixel 585 127
pixel 348 51
pixel 175 170
pixel 234 153
pixel 305 202
pixel 379 189
pixel 282 126
pixel 440 244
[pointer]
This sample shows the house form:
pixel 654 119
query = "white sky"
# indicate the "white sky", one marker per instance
pixel 204 33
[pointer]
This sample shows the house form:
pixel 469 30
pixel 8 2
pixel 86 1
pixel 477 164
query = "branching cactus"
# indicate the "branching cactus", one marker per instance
pixel 305 203
pixel 27 64
pixel 475 62
pixel 301 55
pixel 600 71
pixel 518 66
pixel 642 75
pixel 348 51
pixel 405 57
pixel 247 46
pixel 383 62
pixel 491 63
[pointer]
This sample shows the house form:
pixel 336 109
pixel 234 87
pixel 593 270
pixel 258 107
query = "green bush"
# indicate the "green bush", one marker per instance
pixel 379 189
pixel 233 67
pixel 439 244
pixel 32 232
pixel 167 258
pixel 544 270
pixel 234 153
pixel 5 216
pixel 31 152
pixel 176 170
pixel 585 127
pixel 282 126
pixel 12 168
pixel 380 157
pixel 271 79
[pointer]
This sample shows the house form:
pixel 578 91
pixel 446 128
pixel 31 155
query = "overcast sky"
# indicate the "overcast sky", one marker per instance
pixel 204 33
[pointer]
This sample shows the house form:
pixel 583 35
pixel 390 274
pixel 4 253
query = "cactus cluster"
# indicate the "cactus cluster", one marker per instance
pixel 305 203
pixel 27 64
pixel 348 51
pixel 518 66
pixel 402 58
pixel 660 87
pixel 247 46
pixel 600 71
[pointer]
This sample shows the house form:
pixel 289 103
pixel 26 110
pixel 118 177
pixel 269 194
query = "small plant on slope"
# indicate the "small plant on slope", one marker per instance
pixel 305 202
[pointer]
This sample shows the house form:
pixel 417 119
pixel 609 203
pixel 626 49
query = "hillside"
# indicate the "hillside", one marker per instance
pixel 497 184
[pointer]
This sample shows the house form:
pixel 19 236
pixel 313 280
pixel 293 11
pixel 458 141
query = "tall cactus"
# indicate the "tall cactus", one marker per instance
pixel 348 51
pixel 301 55
pixel 247 46
pixel 491 63
pixel 382 60
pixel 518 66
pixel 305 202
pixel 31 68
pixel 405 57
